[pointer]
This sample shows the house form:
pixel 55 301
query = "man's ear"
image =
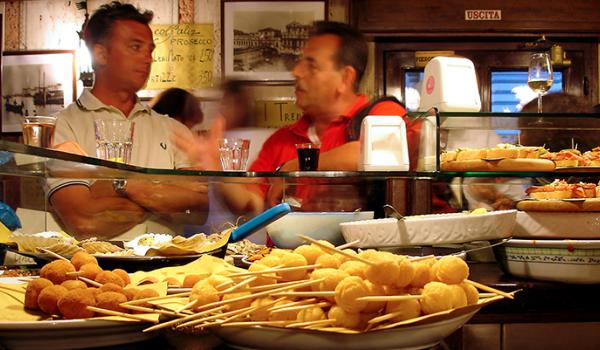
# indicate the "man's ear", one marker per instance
pixel 100 55
pixel 348 77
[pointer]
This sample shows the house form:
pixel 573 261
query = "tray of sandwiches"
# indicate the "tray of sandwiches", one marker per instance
pixel 508 157
pixel 560 196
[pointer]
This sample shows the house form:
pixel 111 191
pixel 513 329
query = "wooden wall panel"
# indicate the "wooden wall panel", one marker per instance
pixel 426 17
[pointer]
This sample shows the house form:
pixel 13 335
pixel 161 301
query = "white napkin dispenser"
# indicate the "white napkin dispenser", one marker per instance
pixel 383 144
pixel 450 85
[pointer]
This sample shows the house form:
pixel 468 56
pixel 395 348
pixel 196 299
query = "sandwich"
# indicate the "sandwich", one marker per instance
pixel 565 158
pixel 592 158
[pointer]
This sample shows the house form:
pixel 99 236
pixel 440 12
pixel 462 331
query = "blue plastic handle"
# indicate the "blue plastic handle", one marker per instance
pixel 259 221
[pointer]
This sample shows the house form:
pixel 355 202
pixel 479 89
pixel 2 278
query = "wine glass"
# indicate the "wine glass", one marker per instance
pixel 539 77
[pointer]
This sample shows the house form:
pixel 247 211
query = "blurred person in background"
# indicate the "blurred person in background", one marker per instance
pixel 180 105
pixel 327 77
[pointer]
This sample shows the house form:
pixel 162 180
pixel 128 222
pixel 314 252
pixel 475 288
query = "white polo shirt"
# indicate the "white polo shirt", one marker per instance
pixel 152 146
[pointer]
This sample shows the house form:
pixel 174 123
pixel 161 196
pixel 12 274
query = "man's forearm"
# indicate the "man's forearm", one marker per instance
pixel 240 199
pixel 169 198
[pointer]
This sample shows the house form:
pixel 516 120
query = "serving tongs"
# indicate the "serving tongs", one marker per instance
pixel 391 212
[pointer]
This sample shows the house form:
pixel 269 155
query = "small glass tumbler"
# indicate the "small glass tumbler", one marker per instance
pixel 308 156
pixel 234 154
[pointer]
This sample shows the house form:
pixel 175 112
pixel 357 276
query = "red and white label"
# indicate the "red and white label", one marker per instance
pixel 483 15
pixel 430 85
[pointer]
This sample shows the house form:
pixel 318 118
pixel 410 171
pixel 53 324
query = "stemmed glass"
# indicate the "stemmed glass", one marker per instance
pixel 540 75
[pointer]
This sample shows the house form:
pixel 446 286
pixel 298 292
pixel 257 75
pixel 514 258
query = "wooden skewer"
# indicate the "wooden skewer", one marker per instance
pixel 214 317
pixel 489 289
pixel 348 245
pixel 306 294
pixel 274 270
pixel 150 310
pixel 335 250
pixel 224 284
pixel 236 287
pixel 242 314
pixel 256 323
pixel 260 294
pixel 74 273
pixel 311 323
pixel 54 254
pixel 142 301
pixel 117 313
pixel 487 295
pixel 90 282
pixel 301 307
pixel 183 319
pixel 13 289
pixel 189 305
pixel 268 286
pixel 293 303
pixel 385 317
pixel 390 298
pixel 420 258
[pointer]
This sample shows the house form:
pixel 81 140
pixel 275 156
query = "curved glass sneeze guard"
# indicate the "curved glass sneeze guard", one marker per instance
pixel 22 160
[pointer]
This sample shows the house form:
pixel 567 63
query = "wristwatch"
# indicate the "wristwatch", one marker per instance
pixel 120 186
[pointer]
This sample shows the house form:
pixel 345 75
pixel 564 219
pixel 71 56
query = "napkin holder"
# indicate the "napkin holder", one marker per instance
pixel 383 144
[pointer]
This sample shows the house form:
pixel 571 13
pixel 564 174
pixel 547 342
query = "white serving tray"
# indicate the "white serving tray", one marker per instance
pixel 433 229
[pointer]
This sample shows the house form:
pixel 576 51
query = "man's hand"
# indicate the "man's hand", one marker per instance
pixel 275 193
pixel 202 151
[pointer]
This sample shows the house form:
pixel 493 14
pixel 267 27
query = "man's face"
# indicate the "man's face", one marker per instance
pixel 129 54
pixel 317 76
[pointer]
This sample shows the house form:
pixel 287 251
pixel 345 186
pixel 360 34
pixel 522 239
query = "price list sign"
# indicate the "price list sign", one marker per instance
pixel 183 56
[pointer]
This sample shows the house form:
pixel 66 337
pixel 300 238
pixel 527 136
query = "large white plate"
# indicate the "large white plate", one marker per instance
pixel 71 334
pixel 409 337
pixel 434 229
pixel 568 261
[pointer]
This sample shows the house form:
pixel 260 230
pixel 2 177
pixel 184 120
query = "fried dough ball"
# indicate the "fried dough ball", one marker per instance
pixel 328 261
pixel 471 293
pixel 332 278
pixel 452 270
pixel 74 284
pixel 355 268
pixel 310 252
pixel 270 261
pixel 130 293
pixel 406 272
pixel 172 282
pixel 367 254
pixel 408 309
pixel 81 258
pixel 433 271
pixel 260 314
pixel 33 291
pixel 49 297
pixel 284 315
pixel 422 274
pixel 279 252
pixel 325 243
pixel 342 258
pixel 313 313
pixel 237 305
pixel 264 279
pixel 74 304
pixel 203 293
pixel 90 271
pixel 190 280
pixel 293 260
pixel 143 294
pixel 111 301
pixel 56 271
pixel 383 270
pixel 219 281
pixel 123 274
pixel 365 317
pixel 437 297
pixel 459 297
pixel 343 318
pixel 109 277
pixel 110 287
pixel 374 290
pixel 348 290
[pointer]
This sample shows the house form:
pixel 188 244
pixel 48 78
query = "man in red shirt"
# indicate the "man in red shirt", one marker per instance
pixel 327 77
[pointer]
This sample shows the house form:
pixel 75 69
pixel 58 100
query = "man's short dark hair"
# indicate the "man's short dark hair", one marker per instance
pixel 100 26
pixel 353 50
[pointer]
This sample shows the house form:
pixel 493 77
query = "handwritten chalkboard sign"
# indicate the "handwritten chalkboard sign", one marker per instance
pixel 183 56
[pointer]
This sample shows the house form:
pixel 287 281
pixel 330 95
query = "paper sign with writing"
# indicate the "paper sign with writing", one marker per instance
pixel 423 57
pixel 183 56
pixel 276 113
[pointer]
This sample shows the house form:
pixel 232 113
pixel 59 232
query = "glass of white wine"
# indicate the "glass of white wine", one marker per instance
pixel 540 75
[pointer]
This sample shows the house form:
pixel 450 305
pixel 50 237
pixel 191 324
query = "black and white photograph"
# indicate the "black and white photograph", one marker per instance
pixel 36 83
pixel 263 40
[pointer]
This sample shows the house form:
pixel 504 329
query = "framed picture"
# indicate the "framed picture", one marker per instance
pixel 263 39
pixel 36 83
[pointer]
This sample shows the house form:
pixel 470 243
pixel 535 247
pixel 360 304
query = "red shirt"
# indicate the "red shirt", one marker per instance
pixel 280 147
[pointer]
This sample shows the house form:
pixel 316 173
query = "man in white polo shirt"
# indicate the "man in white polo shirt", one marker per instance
pixel 121 44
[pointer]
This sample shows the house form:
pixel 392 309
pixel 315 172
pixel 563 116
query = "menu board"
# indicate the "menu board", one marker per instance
pixel 183 56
